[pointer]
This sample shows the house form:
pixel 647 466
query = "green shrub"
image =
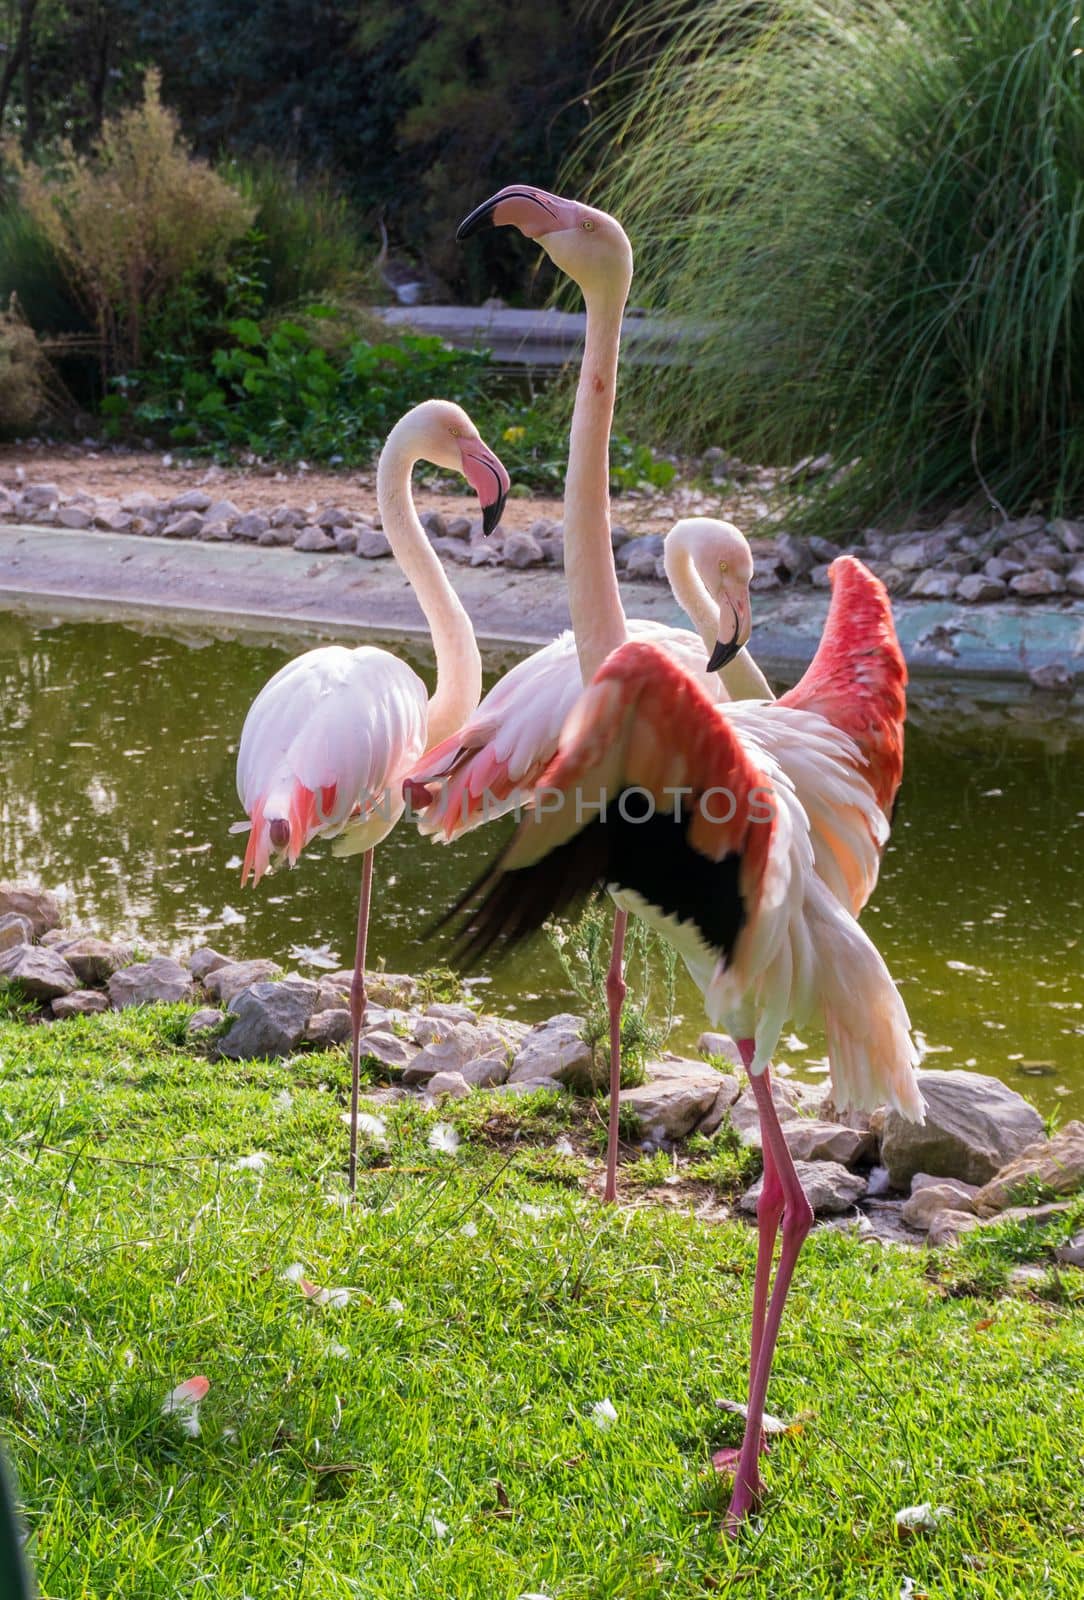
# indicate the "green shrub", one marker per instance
pixel 873 210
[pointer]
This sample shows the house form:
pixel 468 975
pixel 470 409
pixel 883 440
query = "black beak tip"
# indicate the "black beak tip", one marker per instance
pixel 723 653
pixel 491 515
pixel 481 217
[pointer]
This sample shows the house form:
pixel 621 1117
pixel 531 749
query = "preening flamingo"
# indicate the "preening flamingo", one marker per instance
pixel 681 807
pixel 328 740
pixel 507 744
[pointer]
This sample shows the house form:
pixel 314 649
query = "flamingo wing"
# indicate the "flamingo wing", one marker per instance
pixel 493 762
pixel 858 678
pixel 323 750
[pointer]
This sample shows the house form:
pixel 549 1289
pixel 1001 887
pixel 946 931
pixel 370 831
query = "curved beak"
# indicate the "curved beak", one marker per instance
pixel 486 475
pixel 533 211
pixel 733 609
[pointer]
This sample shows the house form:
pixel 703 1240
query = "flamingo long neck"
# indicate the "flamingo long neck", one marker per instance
pixel 594 600
pixel 742 678
pixel 459 665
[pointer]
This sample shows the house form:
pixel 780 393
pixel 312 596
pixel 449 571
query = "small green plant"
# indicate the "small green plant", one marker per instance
pixel 723 1161
pixel 650 976
pixel 14 1005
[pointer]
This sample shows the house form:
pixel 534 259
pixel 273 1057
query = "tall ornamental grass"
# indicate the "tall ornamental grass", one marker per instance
pixel 873 211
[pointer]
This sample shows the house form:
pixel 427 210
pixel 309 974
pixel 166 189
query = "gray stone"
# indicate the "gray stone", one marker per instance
pixel 720 1045
pixel 935 585
pixel 41 973
pixel 819 578
pixel 73 517
pixel 1056 1165
pixel 333 517
pixel 215 533
pixel 645 544
pixel 41 494
pixel 434 524
pixel 346 541
pixel 1070 535
pixel 205 960
pixel 372 544
pixel 223 982
pixel 974 1125
pixel 187 525
pixel 829 1188
pixel 477 1052
pixel 94 960
pixel 80 1003
pixel 271 1019
pixel 1075 581
pixel 191 500
pixel 144 983
pixel 672 1102
pixel 287 517
pixel 945 1227
pixel 459 528
pixel 112 520
pixel 1001 569
pixel 1037 585
pixel 328 1027
pixel 15 929
pixel 745 1118
pixel 522 550
pixel 250 526
pixel 961 564
pixel 453 550
pixel 203 1020
pixel 452 1084
pixel 1053 677
pixel 825 550
pixel 314 539
pixel 979 589
pixel 387 1048
pixel 39 906
pixel 794 555
pixel 556 1049
pixel 527 1086
pixel 944 1194
pixel 811 1140
pixel 282 535
pixel 386 988
pixel 451 1011
pixel 1071 1254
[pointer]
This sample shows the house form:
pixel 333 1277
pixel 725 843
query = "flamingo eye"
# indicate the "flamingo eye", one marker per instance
pixel 455 432
pixel 588 225
pixel 722 566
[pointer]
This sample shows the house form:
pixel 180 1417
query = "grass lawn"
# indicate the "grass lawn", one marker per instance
pixel 434 1432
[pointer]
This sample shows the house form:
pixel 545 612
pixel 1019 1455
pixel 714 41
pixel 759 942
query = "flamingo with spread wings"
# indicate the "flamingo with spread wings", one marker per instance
pixel 329 739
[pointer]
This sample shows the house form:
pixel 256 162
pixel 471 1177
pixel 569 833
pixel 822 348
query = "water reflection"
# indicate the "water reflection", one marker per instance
pixel 116 786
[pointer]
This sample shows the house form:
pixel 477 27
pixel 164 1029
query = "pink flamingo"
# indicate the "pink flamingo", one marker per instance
pixel 487 766
pixel 328 740
pixel 681 808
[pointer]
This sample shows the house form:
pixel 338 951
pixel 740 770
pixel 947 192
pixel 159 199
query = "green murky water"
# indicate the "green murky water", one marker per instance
pixel 116 786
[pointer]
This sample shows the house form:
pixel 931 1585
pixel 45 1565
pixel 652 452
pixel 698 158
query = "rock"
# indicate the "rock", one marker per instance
pixel 643 550
pixel 205 960
pixel 458 528
pixel 448 1083
pixel 1053 677
pixel 94 960
pixel 1071 1254
pixel 935 585
pixel 1057 1165
pixel 203 1020
pixel 556 1049
pixel 215 533
pixel 522 550
pixel 745 1118
pixel 250 526
pixel 223 982
pixel 794 555
pixel 434 524
pixel 961 564
pixel 328 1027
pixel 823 550
pixel 41 494
pixel 314 539
pixel 282 535
pixel 1075 581
pixel 451 1011
pixel 1037 585
pixel 939 1195
pixel 346 541
pixel 1002 570
pixel 978 589
pixel 372 544
pixel 720 1045
pixel 80 1003
pixel 41 973
pixel 974 1125
pixel 818 577
pixel 671 1103
pixel 188 525
pixel 1070 535
pixel 386 988
pixel 113 520
pixel 271 1019
pixel 144 983
pixel 73 517
pixel 40 907
pixel 391 1051
pixel 915 554
pixel 713 1119
pixel 287 517
pixel 15 930
pixel 811 1140
pixel 191 500
pixel 829 1188
pixel 479 1053
pixel 945 1227
pixel 334 517
pixel 527 1086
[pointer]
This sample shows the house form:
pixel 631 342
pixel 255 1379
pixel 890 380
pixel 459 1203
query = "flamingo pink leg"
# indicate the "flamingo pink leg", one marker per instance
pixel 615 999
pixel 797 1221
pixel 357 1011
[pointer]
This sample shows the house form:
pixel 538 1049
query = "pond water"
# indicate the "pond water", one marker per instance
pixel 117 753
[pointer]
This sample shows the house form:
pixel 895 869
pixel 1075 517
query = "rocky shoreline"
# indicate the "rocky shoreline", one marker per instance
pixel 983 1154
pixel 1032 559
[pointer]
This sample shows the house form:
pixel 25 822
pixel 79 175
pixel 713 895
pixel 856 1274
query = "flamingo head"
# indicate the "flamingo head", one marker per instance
pixel 588 245
pixel 720 556
pixel 441 432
